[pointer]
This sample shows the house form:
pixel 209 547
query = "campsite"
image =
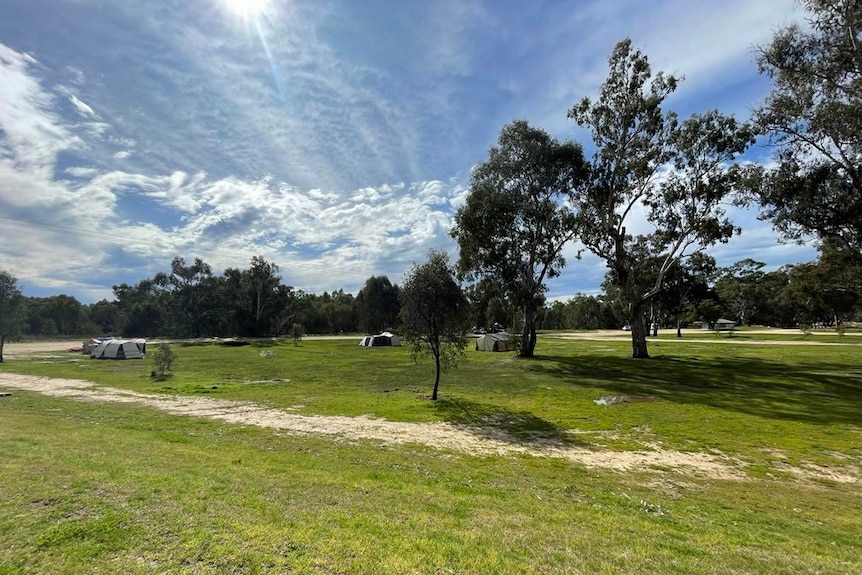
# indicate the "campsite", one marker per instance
pixel 431 288
pixel 324 456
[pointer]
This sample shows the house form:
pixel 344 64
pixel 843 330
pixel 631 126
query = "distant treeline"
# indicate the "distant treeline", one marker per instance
pixel 191 301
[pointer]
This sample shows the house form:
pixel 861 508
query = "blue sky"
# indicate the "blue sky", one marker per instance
pixel 334 138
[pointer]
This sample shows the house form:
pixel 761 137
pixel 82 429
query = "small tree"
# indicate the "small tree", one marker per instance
pixel 434 314
pixel 163 362
pixel 11 309
pixel 296 333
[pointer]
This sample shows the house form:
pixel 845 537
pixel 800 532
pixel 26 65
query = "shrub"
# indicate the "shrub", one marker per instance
pixel 296 333
pixel 163 362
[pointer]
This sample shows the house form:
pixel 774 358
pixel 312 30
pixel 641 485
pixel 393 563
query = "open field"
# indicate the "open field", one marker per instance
pixel 329 458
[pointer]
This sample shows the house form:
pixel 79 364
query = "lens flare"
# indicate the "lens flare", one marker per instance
pixel 246 8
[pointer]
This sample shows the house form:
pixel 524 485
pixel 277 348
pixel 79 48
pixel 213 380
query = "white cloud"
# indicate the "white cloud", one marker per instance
pixel 81 172
pixel 33 134
pixel 82 108
pixel 331 153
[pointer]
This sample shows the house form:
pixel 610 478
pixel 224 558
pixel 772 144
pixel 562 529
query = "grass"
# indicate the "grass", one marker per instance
pixel 105 488
pixel 849 338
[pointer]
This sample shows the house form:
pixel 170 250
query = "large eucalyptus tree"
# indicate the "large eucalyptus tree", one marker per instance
pixel 650 166
pixel 517 218
pixel 814 118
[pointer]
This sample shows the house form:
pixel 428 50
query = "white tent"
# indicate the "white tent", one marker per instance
pixel 120 349
pixel 87 347
pixel 493 342
pixel 383 339
pixel 724 325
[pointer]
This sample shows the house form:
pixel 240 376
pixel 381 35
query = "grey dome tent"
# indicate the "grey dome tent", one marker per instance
pixel 120 349
pixel 493 342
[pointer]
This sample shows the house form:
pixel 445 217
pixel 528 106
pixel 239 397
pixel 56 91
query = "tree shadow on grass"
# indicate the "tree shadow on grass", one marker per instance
pixel 497 423
pixel 814 393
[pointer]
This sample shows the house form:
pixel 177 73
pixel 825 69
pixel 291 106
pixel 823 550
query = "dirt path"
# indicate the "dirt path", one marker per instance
pixel 475 441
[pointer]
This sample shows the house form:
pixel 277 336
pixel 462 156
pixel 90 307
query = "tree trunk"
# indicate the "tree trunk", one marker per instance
pixel 653 324
pixel 639 342
pixel 678 327
pixel 528 333
pixel 626 284
pixel 437 377
pixel 2 343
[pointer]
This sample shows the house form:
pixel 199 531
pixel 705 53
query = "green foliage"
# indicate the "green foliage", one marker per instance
pixel 377 304
pixel 814 117
pixel 188 287
pixel 105 316
pixel 163 362
pixel 827 291
pixel 515 222
pixel 11 309
pixel 56 315
pixel 329 312
pixel 434 314
pixel 740 287
pixel 584 312
pixel 190 302
pixel 296 333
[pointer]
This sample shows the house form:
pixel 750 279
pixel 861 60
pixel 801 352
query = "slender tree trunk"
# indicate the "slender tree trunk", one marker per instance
pixel 678 327
pixel 653 320
pixel 528 334
pixel 2 343
pixel 639 341
pixel 437 377
pixel 636 316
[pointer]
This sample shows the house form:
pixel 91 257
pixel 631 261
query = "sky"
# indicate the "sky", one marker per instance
pixel 334 138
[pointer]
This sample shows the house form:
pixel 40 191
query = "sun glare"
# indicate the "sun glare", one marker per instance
pixel 246 8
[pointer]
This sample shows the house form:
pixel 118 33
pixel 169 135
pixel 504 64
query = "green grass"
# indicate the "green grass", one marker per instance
pixel 850 338
pixel 106 488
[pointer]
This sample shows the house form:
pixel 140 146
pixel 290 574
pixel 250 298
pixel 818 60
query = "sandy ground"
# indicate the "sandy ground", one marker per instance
pixel 444 436
pixel 11 350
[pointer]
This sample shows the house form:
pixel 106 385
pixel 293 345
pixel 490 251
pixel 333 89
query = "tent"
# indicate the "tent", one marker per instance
pixel 383 339
pixel 88 346
pixel 493 342
pixel 120 349
pixel 724 325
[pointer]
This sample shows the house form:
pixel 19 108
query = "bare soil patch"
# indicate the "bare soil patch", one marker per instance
pixel 444 436
pixel 16 349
